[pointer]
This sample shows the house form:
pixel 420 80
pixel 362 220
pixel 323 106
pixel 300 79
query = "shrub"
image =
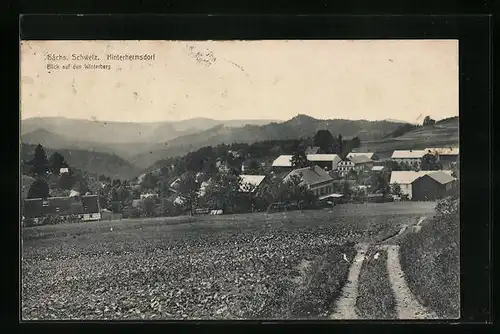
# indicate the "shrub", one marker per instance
pixel 447 207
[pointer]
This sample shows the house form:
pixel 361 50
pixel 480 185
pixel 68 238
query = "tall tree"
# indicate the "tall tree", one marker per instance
pixel 299 160
pixel 38 189
pixel 428 121
pixel 346 189
pixel 396 189
pixel 355 142
pixel 148 207
pixel 430 162
pixel 188 190
pixel 324 139
pixel 39 164
pixel 223 191
pixel 57 162
pixel 66 181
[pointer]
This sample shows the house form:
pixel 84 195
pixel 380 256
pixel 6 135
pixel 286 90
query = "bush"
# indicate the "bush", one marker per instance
pixel 430 260
pixel 447 207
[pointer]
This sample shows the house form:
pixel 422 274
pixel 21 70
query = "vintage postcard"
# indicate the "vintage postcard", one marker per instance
pixel 273 179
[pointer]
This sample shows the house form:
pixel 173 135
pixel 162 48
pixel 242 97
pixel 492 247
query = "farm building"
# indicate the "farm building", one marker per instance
pixel 408 156
pixel 432 186
pixel 357 163
pixel 315 178
pixel 84 207
pixel 405 179
pixel 329 161
pixel 370 155
pixel 251 183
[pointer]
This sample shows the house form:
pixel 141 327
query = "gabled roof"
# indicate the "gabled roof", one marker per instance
pixel 310 176
pixel 443 150
pixel 360 159
pixel 175 182
pixel 408 154
pixel 354 154
pixel 408 177
pixel 253 180
pixel 283 161
pixel 323 157
pixel 441 177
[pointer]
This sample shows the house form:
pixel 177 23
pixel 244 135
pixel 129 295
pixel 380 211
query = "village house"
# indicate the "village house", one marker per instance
pixel 328 161
pixel 405 180
pixel 174 185
pixel 409 156
pixel 251 183
pixel 356 163
pixel 86 208
pixel 447 156
pixel 63 170
pixel 433 186
pixel 315 178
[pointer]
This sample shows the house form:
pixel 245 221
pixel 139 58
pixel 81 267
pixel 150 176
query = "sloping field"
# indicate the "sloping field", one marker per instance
pixel 445 134
pixel 284 265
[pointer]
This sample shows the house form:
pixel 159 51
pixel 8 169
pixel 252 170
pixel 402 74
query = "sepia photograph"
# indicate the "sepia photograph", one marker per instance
pixel 239 180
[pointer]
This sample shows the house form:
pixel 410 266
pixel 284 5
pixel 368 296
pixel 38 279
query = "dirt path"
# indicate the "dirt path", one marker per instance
pixel 345 307
pixel 407 306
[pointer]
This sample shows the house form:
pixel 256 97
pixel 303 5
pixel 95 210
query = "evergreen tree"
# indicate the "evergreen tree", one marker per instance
pixel 39 164
pixel 299 160
pixel 56 162
pixel 38 189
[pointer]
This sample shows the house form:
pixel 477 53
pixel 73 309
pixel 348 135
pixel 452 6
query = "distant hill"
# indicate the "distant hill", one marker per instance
pixel 93 162
pixel 297 127
pixel 450 122
pixel 55 141
pixel 122 132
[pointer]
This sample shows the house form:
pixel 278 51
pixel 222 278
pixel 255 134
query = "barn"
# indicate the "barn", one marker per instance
pixel 433 186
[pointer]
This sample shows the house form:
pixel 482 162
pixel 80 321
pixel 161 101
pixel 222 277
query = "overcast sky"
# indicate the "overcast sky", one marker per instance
pixel 403 80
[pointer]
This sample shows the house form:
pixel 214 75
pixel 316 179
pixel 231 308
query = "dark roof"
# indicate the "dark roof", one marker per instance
pixel 33 207
pixel 60 206
pixel 441 177
pixel 311 175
